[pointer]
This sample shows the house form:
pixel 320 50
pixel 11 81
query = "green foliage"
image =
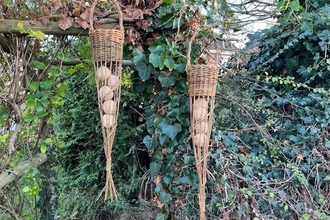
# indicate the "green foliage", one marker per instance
pixel 270 143
pixel 81 157
pixel 33 34
pixel 82 161
pixel 275 128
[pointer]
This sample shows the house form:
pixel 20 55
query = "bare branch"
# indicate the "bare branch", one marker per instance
pixel 11 175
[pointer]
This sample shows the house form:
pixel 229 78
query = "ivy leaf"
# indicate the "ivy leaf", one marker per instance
pixel 165 197
pixel 137 56
pixel 159 187
pixel 157 60
pixel 39 65
pixel 166 80
pixel 160 216
pixel 154 59
pixel 307 27
pixel 177 22
pixel 301 129
pixel 281 4
pixel 294 5
pixel 162 57
pixel 162 139
pixel 310 47
pixel 154 168
pixel 149 142
pixel 137 88
pixel 185 180
pixel 156 49
pixel 144 71
pixel 169 63
pixel 168 129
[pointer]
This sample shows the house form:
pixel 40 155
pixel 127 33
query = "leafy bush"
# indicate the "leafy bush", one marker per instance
pixel 272 127
pixel 81 175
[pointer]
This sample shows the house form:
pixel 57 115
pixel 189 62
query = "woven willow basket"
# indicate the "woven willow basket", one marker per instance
pixel 107 45
pixel 202 80
pixel 202 83
pixel 107 50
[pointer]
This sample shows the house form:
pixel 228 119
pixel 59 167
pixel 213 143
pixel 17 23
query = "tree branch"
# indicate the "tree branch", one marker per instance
pixel 11 175
pixel 6 27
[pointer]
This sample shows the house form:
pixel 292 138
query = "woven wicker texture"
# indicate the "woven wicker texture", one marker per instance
pixel 105 42
pixel 202 80
pixel 202 83
pixel 107 46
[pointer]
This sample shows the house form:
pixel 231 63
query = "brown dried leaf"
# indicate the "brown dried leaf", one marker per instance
pixel 155 35
pixel 97 25
pixel 82 23
pixel 244 150
pixel 65 23
pixel 56 4
pixel 159 204
pixel 45 20
pixel 45 10
pixel 85 15
pixel 300 156
pixel 158 179
pixel 137 13
pixel 147 12
pixel 140 48
pixel 138 23
pixel 24 14
pixel 33 21
pixel 146 24
pixel 150 41
pixel 76 11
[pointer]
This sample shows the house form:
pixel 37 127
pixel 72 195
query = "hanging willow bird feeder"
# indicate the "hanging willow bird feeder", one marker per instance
pixel 202 83
pixel 107 49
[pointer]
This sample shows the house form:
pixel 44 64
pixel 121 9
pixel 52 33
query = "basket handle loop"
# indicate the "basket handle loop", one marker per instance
pixel 91 16
pixel 189 47
pixel 118 9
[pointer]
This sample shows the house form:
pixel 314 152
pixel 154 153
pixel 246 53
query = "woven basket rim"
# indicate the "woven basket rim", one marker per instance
pixel 107 30
pixel 114 35
pixel 202 66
